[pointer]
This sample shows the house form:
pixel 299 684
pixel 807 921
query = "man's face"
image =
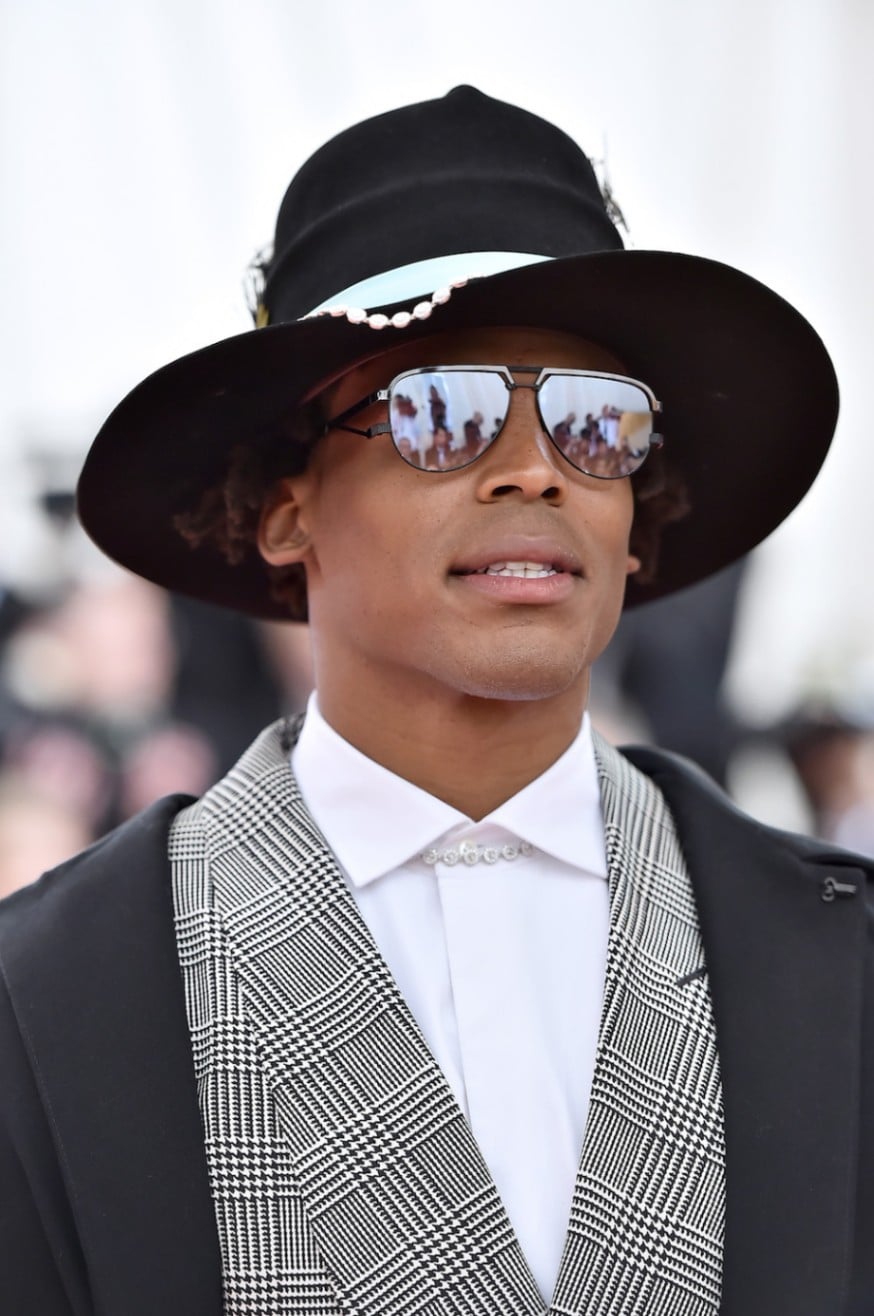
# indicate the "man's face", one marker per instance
pixel 394 556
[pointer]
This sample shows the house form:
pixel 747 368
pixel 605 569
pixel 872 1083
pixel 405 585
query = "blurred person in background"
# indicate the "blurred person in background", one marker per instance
pixel 833 754
pixel 666 665
pixel 87 681
pixel 437 1001
pixel 113 694
pixel 37 831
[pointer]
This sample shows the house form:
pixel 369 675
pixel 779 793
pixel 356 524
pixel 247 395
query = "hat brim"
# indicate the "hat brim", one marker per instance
pixel 748 391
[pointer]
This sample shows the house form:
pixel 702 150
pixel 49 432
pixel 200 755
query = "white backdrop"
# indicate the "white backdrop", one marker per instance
pixel 144 150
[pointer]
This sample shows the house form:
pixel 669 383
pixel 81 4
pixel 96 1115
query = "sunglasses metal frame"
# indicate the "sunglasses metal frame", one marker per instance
pixel 506 373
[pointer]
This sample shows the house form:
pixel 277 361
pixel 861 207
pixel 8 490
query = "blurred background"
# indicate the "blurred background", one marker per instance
pixel 143 154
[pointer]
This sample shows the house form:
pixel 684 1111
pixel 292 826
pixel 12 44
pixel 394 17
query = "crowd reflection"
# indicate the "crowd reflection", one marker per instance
pixel 611 443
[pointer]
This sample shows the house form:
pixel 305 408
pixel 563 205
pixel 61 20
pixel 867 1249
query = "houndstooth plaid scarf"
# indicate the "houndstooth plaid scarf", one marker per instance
pixel 344 1176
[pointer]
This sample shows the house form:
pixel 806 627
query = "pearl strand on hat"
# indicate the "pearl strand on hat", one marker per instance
pixel 400 319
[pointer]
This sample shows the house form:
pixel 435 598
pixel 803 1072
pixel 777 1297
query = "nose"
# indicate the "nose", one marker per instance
pixel 522 462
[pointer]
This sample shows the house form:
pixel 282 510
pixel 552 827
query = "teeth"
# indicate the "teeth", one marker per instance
pixel 526 570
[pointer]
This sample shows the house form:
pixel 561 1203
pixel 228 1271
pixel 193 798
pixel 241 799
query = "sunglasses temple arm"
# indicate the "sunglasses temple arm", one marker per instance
pixel 336 422
pixel 370 433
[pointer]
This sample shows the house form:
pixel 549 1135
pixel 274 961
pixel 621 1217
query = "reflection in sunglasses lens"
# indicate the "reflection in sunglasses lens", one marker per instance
pixel 444 419
pixel 602 426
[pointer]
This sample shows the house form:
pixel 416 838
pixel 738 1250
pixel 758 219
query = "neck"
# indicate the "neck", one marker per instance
pixel 473 753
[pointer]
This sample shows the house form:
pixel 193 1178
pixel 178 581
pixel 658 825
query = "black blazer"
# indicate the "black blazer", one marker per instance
pixel 105 1205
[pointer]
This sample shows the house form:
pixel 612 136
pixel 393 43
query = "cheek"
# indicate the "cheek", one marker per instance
pixel 623 531
pixel 370 530
pixel 609 523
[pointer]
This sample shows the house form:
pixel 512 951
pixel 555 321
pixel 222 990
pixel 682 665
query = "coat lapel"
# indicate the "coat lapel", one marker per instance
pixel 343 1172
pixel 646 1226
pixel 786 977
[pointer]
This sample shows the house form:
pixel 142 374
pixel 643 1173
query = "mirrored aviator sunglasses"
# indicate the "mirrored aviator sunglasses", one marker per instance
pixel 442 418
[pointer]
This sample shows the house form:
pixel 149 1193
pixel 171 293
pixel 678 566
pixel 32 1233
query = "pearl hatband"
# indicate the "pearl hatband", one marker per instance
pixel 400 319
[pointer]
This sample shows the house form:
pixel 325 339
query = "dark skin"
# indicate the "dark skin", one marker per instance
pixel 468 685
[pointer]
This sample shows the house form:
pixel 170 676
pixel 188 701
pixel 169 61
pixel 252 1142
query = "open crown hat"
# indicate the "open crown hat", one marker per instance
pixel 466 212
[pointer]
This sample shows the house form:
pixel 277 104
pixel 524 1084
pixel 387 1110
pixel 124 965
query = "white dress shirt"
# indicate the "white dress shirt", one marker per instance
pixel 501 963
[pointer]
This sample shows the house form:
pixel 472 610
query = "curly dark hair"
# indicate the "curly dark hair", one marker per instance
pixel 227 514
pixel 660 497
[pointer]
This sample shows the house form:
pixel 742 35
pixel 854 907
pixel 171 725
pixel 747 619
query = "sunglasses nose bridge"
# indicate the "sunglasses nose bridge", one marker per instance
pixel 523 396
pixel 522 453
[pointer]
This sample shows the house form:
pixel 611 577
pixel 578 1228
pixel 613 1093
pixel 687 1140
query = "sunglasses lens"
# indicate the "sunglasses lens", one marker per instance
pixel 443 419
pixel 602 426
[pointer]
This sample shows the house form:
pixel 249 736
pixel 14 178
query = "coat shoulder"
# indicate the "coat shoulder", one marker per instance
pixel 699 804
pixel 124 869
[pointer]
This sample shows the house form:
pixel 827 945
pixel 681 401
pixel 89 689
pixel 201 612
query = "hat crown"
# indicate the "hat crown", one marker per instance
pixel 463 173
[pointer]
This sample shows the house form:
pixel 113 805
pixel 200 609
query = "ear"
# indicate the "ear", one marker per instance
pixel 632 565
pixel 282 537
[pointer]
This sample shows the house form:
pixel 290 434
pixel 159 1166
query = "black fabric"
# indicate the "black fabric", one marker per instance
pixel 112 1150
pixel 114 1140
pixel 42 1270
pixel 862 1283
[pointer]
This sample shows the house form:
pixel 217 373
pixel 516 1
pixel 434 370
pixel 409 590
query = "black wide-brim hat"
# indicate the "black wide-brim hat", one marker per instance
pixel 369 229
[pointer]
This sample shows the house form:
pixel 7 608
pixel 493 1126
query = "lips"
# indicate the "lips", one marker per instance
pixel 519 556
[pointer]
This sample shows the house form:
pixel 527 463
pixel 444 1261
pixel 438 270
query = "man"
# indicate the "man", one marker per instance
pixel 439 456
pixel 438 1003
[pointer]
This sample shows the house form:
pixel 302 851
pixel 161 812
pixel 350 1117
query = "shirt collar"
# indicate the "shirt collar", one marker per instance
pixel 374 821
pixel 560 811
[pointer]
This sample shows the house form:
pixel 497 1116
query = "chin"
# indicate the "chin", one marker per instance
pixel 519 676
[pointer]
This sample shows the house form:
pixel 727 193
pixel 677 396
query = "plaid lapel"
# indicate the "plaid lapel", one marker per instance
pixel 646 1227
pixel 344 1176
